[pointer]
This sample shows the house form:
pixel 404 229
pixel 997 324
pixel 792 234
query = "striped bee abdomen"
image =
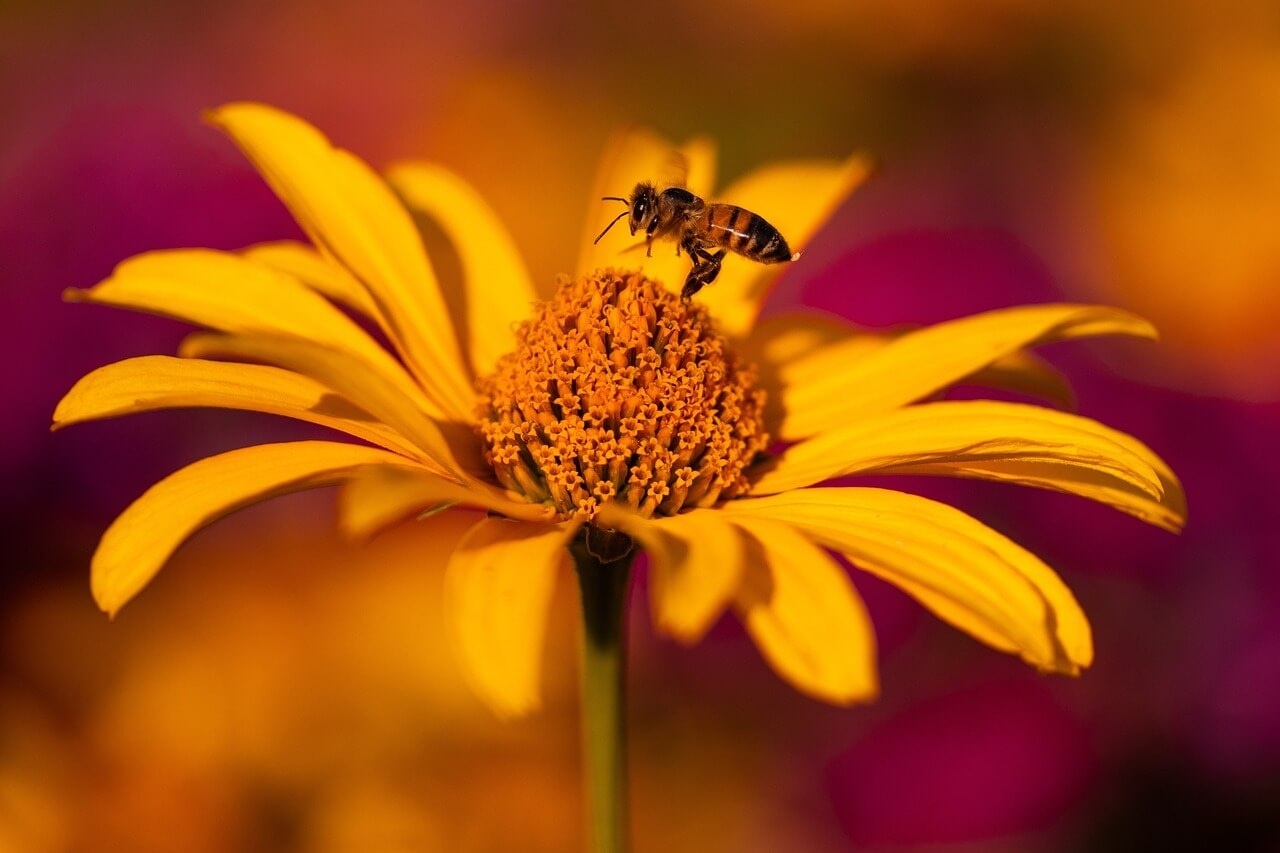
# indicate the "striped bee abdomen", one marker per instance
pixel 767 243
pixel 746 233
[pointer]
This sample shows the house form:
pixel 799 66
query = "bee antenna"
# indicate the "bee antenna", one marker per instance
pixel 614 198
pixel 610 225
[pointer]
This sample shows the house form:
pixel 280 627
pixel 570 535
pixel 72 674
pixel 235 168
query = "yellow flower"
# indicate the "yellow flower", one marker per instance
pixel 611 406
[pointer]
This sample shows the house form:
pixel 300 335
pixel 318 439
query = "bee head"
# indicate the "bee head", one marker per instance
pixel 644 206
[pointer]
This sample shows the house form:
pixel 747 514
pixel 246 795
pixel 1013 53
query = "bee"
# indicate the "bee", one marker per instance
pixel 700 229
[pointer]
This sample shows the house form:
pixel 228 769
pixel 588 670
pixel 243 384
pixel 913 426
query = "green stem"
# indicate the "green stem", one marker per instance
pixel 603 584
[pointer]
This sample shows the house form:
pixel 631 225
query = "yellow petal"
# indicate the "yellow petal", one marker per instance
pixel 969 574
pixel 797 198
pixel 784 339
pixel 139 542
pixel 319 273
pixel 1173 501
pixel 1135 480
pixel 696 564
pixel 498 588
pixel 380 497
pixel 827 390
pixel 1026 373
pixel 350 213
pixel 805 616
pixel 778 344
pixel 153 382
pixel 497 292
pixel 631 157
pixel 700 157
pixel 1168 512
pixel 222 291
pixel 352 378
pixel 970 439
pixel 955 613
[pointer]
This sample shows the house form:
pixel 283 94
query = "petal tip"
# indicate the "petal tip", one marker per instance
pixel 1131 324
pixel 509 710
pixel 682 631
pixel 108 601
pixel 221 116
pixel 245 120
pixel 1067 668
pixel 1144 328
pixel 218 116
pixel 65 413
pixel 399 169
pixel 1071 663
pixel 861 694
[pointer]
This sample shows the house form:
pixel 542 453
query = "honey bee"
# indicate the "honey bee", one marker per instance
pixel 699 227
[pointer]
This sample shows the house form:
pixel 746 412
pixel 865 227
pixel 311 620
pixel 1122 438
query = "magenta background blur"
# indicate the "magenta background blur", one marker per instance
pixel 277 690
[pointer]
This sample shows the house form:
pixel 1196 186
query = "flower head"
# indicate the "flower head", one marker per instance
pixel 620 391
pixel 612 407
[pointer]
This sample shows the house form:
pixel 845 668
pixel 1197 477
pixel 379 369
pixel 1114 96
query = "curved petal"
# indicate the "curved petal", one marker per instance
pixel 633 156
pixel 380 497
pixel 696 565
pixel 1173 500
pixel 353 379
pixel 1026 373
pixel 498 588
pixel 969 574
pixel 228 293
pixel 139 542
pixel 313 269
pixel 972 439
pixel 778 344
pixel 805 616
pixel 153 382
pixel 700 159
pixel 497 292
pixel 797 198
pixel 350 213
pixel 1169 512
pixel 1159 499
pixel 784 339
pixel 826 389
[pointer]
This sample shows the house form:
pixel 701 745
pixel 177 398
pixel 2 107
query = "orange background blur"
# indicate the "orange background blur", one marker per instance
pixel 278 690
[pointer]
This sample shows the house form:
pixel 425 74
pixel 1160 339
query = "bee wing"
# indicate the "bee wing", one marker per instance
pixel 675 170
pixel 691 166
pixel 700 155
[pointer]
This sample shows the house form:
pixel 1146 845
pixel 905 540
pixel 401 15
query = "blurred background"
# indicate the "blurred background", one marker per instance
pixel 278 690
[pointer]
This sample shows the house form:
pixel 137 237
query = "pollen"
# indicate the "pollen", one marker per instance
pixel 620 391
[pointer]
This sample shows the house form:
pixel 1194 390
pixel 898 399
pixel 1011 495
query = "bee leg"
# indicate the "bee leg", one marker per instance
pixel 690 244
pixel 648 233
pixel 705 269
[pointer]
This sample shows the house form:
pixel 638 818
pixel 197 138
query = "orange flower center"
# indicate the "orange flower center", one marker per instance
pixel 617 389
